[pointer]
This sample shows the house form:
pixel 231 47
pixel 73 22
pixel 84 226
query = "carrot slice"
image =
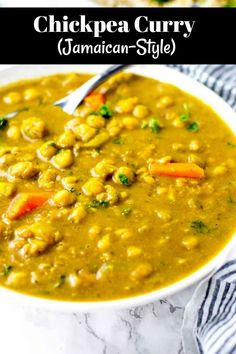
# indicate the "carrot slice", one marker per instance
pixel 24 203
pixel 95 100
pixel 176 169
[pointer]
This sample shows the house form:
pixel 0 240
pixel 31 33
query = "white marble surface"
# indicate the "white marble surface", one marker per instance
pixel 150 329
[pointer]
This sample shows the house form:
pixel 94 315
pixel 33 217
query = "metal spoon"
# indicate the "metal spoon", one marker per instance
pixel 69 103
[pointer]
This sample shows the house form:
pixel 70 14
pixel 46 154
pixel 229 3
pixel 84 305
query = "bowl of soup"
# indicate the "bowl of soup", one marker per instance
pixel 130 199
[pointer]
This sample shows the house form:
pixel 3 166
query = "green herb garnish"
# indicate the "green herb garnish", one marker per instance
pixel 7 268
pixel 144 125
pixel 231 144
pixel 118 141
pixel 124 179
pixel 60 281
pixel 200 227
pixel 98 203
pixel 193 127
pixel 105 111
pixel 230 3
pixel 52 144
pixel 154 126
pixel 231 200
pixel 184 117
pixel 3 123
pixel 126 211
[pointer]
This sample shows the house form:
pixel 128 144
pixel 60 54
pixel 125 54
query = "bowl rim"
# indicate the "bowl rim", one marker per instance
pixel 164 74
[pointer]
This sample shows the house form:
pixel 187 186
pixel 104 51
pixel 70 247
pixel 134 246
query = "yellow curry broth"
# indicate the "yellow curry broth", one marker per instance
pixel 108 228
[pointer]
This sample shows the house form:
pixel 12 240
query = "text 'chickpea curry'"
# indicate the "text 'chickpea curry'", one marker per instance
pixel 117 200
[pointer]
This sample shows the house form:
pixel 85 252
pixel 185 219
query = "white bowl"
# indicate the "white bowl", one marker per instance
pixel 163 74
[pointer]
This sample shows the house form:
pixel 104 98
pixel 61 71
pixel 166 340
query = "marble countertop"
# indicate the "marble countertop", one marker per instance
pixel 150 329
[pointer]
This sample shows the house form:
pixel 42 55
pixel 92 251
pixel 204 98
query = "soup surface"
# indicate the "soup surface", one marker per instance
pixel 169 3
pixel 132 193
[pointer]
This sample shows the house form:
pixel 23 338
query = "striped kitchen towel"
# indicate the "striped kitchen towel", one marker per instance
pixel 209 325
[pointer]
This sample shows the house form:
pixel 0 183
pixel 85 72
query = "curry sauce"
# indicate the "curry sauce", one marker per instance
pixel 133 192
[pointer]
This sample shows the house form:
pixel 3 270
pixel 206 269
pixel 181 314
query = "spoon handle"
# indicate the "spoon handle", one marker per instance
pixel 72 101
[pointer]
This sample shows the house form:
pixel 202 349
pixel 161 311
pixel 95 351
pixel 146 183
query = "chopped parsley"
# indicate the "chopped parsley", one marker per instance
pixel 232 145
pixel 118 141
pixel 124 179
pixel 52 144
pixel 154 126
pixel 126 211
pixel 98 203
pixel 7 268
pixel 105 111
pixel 60 281
pixel 193 127
pixel 184 117
pixel 231 200
pixel 3 123
pixel 200 227
pixel 144 125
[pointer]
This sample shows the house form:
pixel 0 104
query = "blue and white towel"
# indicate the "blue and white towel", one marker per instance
pixel 209 325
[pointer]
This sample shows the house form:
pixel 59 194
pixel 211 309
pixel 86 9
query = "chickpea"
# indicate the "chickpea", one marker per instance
pixel 47 179
pixel 7 189
pixel 74 280
pixel 74 123
pixel 23 170
pixel 190 242
pixel 130 123
pixel 96 121
pixel 161 190
pixel 178 123
pixel 178 147
pixel 77 214
pixel 165 102
pixel 33 128
pixel 196 159
pixel 7 160
pixel 114 127
pixel 126 105
pixel 124 175
pixel 165 159
pixel 103 169
pixel 66 140
pixel 134 251
pixel 195 145
pixel 141 272
pixel 145 177
pixel 98 140
pixel 12 98
pixel 13 132
pixel 63 198
pixel 47 150
pixel 93 187
pixel 124 234
pixel 140 111
pixel 69 182
pixel 164 215
pixel 220 170
pixel 63 159
pixel 111 195
pixel 71 78
pixel 16 279
pixel 31 94
pixel 84 132
pixel 104 243
pixel 95 230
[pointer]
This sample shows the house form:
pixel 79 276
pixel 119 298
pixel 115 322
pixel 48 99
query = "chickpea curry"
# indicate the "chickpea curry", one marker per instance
pixel 118 199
